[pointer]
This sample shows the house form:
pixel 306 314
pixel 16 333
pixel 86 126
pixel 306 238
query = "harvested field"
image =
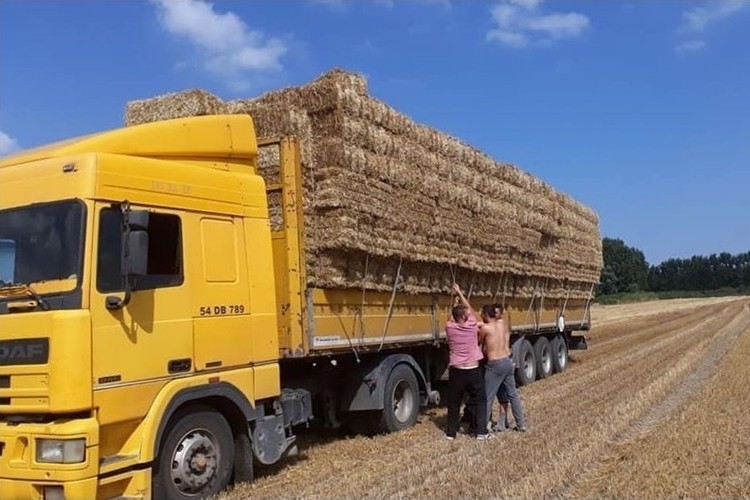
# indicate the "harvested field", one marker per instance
pixel 657 407
pixel 382 189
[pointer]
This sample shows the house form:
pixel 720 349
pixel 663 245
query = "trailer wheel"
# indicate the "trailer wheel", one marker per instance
pixel 401 400
pixel 526 367
pixel 196 457
pixel 543 355
pixel 559 353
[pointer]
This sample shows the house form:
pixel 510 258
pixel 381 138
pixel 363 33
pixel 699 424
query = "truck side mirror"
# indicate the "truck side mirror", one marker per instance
pixel 136 245
pixel 137 220
pixel 135 253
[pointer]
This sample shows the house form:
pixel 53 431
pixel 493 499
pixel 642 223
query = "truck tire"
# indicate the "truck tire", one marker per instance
pixel 543 355
pixel 196 456
pixel 526 364
pixel 559 353
pixel 400 400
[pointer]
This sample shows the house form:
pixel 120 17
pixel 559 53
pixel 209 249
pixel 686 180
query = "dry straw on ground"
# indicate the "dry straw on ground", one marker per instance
pixel 383 193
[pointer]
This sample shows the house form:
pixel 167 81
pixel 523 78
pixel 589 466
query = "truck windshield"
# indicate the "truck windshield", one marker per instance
pixel 41 245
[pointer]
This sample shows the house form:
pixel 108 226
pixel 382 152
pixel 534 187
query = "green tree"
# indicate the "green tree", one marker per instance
pixel 625 268
pixel 701 273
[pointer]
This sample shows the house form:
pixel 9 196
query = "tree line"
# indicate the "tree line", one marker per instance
pixel 626 270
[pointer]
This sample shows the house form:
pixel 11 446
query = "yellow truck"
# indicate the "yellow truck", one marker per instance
pixel 158 337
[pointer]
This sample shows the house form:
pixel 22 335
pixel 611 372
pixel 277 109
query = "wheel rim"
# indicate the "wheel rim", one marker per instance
pixel 546 360
pixel 528 365
pixel 562 356
pixel 403 401
pixel 195 461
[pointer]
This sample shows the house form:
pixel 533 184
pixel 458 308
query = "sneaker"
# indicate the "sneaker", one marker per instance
pixel 484 437
pixel 450 438
pixel 522 428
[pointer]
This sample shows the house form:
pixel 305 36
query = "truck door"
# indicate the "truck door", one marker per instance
pixel 151 338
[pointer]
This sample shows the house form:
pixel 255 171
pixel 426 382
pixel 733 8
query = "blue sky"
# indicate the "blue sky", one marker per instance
pixel 639 109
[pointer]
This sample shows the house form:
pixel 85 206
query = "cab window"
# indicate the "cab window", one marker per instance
pixel 164 252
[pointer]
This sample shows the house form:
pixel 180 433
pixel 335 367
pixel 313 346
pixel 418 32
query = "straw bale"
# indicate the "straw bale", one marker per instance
pixel 194 102
pixel 368 272
pixel 380 189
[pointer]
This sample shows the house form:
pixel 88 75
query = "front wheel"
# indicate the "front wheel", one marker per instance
pixel 400 401
pixel 196 457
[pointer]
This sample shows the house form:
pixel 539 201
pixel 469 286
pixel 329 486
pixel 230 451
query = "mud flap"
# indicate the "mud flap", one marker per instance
pixel 577 343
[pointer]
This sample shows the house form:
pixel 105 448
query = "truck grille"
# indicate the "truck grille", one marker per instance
pixel 24 392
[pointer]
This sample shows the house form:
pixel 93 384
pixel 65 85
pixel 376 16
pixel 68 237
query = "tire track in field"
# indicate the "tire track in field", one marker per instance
pixel 600 414
pixel 610 315
pixel 661 322
pixel 610 362
pixel 694 381
pixel 659 412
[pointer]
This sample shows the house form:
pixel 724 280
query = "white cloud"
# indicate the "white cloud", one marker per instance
pixel 691 46
pixel 698 19
pixel 228 48
pixel 523 23
pixel 7 144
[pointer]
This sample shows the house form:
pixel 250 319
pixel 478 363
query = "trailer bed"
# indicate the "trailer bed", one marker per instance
pixel 321 322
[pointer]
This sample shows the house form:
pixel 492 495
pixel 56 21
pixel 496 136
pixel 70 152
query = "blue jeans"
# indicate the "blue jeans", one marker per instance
pixel 500 380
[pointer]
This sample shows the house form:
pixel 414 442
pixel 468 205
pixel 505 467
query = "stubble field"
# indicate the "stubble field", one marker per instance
pixel 659 406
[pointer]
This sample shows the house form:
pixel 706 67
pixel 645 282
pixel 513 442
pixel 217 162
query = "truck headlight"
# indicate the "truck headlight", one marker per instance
pixel 60 451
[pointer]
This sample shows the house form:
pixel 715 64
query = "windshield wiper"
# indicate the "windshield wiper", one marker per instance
pixel 14 289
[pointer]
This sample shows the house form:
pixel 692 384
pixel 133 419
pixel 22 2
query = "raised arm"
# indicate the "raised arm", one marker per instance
pixel 464 301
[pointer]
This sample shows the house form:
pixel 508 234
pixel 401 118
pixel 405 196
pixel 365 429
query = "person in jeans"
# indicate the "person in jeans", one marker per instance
pixel 464 374
pixel 498 370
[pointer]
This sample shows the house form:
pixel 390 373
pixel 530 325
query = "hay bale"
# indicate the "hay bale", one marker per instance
pixel 194 102
pixel 380 189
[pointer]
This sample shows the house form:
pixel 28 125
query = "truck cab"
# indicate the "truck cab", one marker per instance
pixel 133 265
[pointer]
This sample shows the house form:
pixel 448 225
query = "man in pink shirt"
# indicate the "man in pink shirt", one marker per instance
pixel 464 374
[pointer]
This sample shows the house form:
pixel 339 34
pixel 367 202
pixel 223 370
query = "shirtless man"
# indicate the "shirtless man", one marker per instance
pixel 498 374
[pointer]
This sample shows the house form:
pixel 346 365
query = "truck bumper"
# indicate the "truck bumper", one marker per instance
pixel 16 489
pixel 23 477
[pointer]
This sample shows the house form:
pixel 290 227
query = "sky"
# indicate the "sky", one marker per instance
pixel 638 109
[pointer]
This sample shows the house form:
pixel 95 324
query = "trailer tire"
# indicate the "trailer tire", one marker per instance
pixel 400 400
pixel 197 448
pixel 543 355
pixel 526 364
pixel 559 353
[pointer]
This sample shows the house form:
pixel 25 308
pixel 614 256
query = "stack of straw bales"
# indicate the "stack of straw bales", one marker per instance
pixel 387 200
